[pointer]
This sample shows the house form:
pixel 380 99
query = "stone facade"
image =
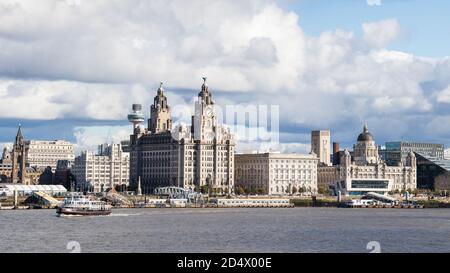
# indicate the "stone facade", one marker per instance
pixel 18 159
pixel 5 166
pixel 366 172
pixel 273 173
pixel 188 156
pixel 43 153
pixel 321 146
pixel 105 170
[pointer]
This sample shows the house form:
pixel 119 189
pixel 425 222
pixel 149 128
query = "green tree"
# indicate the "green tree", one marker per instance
pixel 261 191
pixel 294 190
pixel 204 189
pixel 240 190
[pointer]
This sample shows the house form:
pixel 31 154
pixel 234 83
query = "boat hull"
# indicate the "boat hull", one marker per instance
pixel 72 212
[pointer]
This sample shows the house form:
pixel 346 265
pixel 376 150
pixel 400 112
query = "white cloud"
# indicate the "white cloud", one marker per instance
pixel 373 2
pixel 444 95
pixel 93 59
pixel 380 34
pixel 89 137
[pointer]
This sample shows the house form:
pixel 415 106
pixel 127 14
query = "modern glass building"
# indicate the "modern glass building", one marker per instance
pixel 396 152
pixel 433 173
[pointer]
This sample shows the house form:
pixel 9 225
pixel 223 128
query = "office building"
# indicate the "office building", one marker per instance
pixel 190 156
pixel 321 146
pixel 108 168
pixel 395 152
pixel 365 171
pixel 276 173
pixel 43 153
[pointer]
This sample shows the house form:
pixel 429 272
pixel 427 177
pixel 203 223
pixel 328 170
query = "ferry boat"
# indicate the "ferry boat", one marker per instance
pixel 358 203
pixel 79 205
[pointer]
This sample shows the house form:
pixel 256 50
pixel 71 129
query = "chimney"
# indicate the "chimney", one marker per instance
pixel 336 160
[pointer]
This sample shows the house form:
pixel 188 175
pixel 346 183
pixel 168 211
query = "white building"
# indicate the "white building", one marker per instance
pixel 274 173
pixel 109 168
pixel 42 153
pixel 366 172
pixel 189 156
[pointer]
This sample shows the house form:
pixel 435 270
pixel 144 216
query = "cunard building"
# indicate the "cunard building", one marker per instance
pixel 190 157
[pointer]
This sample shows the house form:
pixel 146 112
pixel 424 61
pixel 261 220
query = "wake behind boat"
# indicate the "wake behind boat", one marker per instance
pixel 76 204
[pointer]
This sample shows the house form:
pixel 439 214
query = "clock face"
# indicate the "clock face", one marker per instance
pixel 209 135
pixel 209 111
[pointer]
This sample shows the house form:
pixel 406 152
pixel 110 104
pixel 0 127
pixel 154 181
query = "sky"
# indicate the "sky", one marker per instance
pixel 70 69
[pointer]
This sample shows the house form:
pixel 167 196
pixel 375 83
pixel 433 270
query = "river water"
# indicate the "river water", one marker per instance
pixel 228 230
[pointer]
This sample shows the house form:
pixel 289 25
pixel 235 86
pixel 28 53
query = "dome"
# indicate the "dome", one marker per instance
pixel 365 135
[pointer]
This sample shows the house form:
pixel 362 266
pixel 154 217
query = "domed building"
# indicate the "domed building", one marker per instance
pixel 366 172
pixel 365 149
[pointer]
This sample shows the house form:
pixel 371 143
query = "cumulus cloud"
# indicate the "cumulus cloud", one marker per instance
pixel 92 59
pixel 380 34
pixel 444 95
pixel 89 137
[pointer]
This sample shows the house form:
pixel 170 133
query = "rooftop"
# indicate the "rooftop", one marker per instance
pixel 441 162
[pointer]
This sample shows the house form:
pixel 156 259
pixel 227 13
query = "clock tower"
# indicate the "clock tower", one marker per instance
pixel 205 119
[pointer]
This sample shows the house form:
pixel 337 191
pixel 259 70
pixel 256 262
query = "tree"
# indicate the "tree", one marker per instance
pixel 302 189
pixel 261 191
pixel 241 190
pixel 294 190
pixel 204 189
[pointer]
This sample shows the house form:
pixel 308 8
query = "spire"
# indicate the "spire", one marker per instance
pixel 365 129
pixel 19 133
pixel 160 89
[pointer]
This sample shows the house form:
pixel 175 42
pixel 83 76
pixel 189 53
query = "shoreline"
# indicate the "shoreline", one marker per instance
pixel 343 206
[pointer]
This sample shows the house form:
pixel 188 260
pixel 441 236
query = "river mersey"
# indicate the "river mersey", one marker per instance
pixel 321 230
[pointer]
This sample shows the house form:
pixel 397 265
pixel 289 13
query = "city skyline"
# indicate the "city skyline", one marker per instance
pixel 336 75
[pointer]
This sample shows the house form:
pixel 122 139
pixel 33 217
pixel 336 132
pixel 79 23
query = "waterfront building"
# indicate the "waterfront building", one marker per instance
pixel 190 156
pixel 107 169
pixel 396 152
pixel 433 173
pixel 35 156
pixel 43 153
pixel 32 175
pixel 365 171
pixel 5 166
pixel 26 190
pixel 276 173
pixel 321 146
pixel 61 176
pixel 64 176
pixel 18 170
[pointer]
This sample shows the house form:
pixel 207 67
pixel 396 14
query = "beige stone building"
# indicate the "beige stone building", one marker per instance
pixel 321 146
pixel 43 153
pixel 276 173
pixel 188 156
pixel 366 172
pixel 107 169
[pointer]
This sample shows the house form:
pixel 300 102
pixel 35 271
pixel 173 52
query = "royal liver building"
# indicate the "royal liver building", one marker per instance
pixel 186 156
